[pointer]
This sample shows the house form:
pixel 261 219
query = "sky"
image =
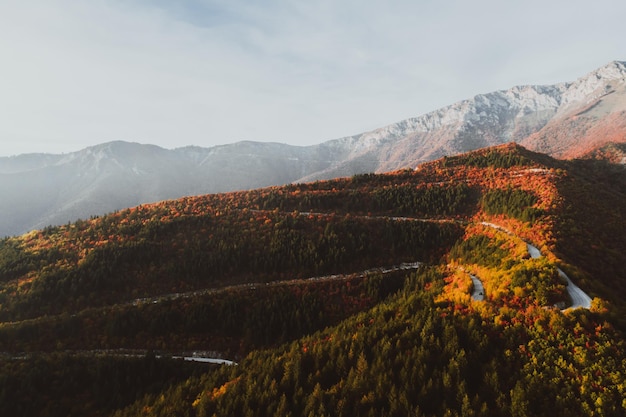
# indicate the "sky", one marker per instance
pixel 209 72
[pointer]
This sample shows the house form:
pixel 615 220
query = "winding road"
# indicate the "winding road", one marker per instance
pixel 579 298
pixel 479 292
pixel 336 277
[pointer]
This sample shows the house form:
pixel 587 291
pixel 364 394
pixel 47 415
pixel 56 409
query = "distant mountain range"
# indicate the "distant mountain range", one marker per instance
pixel 565 120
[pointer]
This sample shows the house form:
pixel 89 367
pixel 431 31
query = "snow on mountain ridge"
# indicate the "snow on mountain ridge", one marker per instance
pixel 562 120
pixel 595 84
pixel 512 113
pixel 525 99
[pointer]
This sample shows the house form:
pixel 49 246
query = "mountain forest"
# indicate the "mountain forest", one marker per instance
pixel 489 283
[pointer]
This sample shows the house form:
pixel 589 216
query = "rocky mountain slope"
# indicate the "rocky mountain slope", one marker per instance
pixel 564 120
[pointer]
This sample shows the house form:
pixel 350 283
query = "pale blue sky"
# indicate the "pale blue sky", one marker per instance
pixel 177 73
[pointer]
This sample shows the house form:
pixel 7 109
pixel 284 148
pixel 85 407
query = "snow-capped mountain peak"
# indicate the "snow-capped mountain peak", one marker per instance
pixel 595 84
pixel 564 120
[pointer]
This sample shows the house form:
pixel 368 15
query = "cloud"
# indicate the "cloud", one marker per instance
pixel 212 72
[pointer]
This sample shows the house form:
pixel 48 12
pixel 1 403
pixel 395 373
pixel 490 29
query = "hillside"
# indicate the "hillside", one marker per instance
pixel 565 120
pixel 354 296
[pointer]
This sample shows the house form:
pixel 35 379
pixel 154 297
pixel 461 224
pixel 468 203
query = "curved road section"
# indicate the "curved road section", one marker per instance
pixel 479 292
pixel 580 299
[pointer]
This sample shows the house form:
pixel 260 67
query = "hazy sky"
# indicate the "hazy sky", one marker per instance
pixel 210 72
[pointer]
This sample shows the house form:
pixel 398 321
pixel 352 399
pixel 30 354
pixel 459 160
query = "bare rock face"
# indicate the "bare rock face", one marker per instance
pixel 565 120
pixel 593 114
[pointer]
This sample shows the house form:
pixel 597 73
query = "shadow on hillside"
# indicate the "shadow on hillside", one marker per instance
pixel 592 228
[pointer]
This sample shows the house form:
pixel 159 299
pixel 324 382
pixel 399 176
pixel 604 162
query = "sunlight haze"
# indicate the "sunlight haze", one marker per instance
pixel 75 74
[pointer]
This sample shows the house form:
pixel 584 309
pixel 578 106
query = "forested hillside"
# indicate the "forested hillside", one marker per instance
pixel 445 290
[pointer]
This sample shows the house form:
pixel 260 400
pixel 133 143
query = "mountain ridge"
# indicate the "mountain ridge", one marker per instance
pixel 565 120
